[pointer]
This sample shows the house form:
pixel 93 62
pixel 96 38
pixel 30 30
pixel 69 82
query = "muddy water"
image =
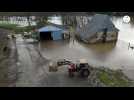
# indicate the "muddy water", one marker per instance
pixel 113 55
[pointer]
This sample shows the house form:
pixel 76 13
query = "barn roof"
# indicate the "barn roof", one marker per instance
pixel 49 28
pixel 64 27
pixel 97 24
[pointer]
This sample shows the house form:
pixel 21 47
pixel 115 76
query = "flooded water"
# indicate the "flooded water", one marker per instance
pixel 112 55
pixel 126 32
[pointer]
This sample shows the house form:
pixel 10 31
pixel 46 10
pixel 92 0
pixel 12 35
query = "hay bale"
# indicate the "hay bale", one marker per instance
pixel 53 67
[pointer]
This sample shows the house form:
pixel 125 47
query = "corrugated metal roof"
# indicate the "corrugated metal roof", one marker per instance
pixel 49 28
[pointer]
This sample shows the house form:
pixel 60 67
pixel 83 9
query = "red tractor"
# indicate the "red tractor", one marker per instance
pixel 82 67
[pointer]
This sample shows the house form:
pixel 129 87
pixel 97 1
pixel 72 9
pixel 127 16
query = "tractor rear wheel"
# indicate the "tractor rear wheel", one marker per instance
pixel 85 73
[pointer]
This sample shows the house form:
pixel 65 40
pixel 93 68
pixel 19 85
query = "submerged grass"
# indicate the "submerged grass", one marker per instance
pixel 113 78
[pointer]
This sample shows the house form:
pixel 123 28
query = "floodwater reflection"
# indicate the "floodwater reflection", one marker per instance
pixel 112 55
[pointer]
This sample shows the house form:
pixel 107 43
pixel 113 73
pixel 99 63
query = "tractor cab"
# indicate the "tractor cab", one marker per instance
pixel 82 63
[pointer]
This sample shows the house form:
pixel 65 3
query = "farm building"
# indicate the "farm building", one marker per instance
pixel 99 29
pixel 51 32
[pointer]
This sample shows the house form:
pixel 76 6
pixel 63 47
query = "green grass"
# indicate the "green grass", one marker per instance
pixel 113 78
pixel 15 28
pixel 8 26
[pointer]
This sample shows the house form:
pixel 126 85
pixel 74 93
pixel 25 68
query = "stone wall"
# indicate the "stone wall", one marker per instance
pixel 3 42
pixel 111 36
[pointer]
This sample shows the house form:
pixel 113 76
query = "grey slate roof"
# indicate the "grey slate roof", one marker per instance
pixel 97 24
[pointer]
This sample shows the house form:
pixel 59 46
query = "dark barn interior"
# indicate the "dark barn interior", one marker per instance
pixel 45 36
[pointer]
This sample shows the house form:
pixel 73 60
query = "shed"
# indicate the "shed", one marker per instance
pixel 65 28
pixel 50 32
pixel 100 28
